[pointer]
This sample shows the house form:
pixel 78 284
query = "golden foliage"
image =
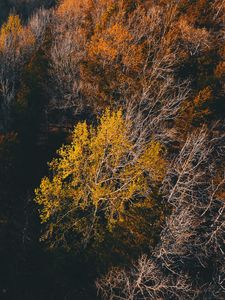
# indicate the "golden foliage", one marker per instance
pixel 11 28
pixel 12 31
pixel 99 177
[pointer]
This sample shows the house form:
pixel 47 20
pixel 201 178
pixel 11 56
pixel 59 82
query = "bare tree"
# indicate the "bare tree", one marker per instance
pixel 38 24
pixel 65 58
pixel 145 280
pixel 10 66
pixel 192 241
pixel 159 99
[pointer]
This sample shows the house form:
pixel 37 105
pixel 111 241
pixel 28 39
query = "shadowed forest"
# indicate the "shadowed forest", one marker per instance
pixel 112 178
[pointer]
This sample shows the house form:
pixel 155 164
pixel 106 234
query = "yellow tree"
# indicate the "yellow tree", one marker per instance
pixel 14 35
pixel 16 42
pixel 12 27
pixel 99 182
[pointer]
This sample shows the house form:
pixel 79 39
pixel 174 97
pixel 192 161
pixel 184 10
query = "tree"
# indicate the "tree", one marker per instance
pixel 16 44
pixel 38 24
pixel 192 240
pixel 99 182
pixel 13 34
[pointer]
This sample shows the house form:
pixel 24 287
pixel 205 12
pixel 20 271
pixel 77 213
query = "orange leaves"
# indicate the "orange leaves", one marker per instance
pixel 114 42
pixel 69 7
pixel 195 112
pixel 110 42
pixel 195 10
pixel 113 58
pixel 106 15
pixel 112 50
pixel 202 103
pixel 220 70
pixel 100 47
pixel 73 15
pixel 203 97
pixel 119 34
pixel 133 58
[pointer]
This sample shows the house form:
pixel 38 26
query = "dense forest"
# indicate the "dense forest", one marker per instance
pixel 112 169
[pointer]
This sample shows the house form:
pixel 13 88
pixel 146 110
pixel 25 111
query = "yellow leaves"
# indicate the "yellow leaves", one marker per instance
pixel 12 28
pixel 18 36
pixel 99 171
pixel 100 193
pixel 153 162
pixel 48 196
pixel 81 134
pixel 111 132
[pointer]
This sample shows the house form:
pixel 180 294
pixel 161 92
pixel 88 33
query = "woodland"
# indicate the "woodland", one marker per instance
pixel 112 169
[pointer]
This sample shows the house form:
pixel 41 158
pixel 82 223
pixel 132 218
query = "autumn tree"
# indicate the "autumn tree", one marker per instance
pixel 16 44
pixel 100 182
pixel 110 54
pixel 118 53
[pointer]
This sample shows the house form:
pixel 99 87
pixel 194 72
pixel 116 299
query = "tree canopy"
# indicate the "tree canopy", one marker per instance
pixel 98 180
